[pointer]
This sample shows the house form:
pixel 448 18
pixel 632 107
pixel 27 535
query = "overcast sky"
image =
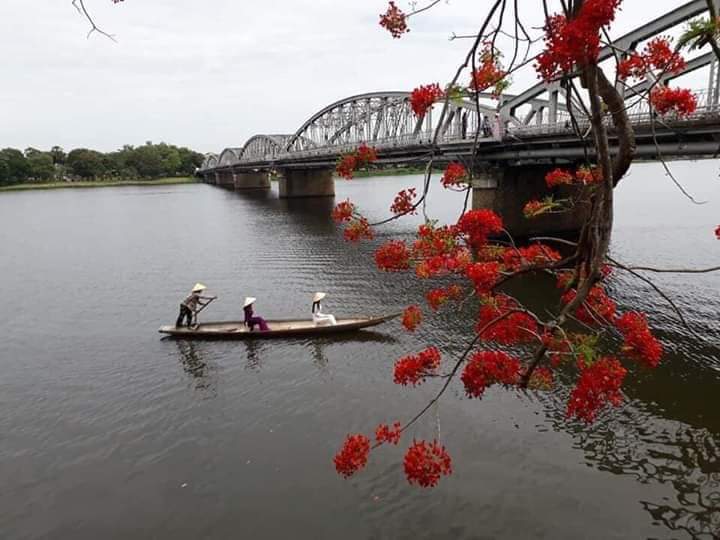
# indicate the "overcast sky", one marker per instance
pixel 210 74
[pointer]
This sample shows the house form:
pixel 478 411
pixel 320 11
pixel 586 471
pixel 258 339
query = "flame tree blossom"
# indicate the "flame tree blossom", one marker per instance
pixel 412 317
pixel 343 211
pixel 393 256
pixel 348 163
pixel 681 101
pixel 422 98
pixel 487 368
pixel 387 434
pixel 425 463
pixel 599 385
pixel 639 343
pixel 403 203
pixel 455 175
pixel 413 370
pixel 394 21
pixel 353 455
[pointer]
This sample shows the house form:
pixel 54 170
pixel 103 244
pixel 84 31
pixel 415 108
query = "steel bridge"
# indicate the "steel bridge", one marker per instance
pixel 528 129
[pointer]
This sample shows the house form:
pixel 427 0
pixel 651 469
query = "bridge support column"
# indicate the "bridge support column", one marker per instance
pixel 217 178
pixel 251 180
pixel 306 183
pixel 507 190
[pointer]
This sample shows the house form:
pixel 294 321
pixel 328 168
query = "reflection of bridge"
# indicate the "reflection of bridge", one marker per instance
pixel 520 136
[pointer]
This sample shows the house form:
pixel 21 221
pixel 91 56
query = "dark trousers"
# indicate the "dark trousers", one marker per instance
pixel 185 312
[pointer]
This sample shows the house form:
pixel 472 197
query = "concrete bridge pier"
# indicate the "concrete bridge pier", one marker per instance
pixel 506 190
pixel 225 179
pixel 295 183
pixel 250 180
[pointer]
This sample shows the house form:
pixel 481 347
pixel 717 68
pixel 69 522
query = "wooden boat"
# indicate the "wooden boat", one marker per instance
pixel 278 329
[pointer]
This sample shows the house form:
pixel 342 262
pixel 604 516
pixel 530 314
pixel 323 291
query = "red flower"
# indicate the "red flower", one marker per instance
pixel 353 455
pixel 386 434
pixel 598 385
pixel 394 21
pixel 346 166
pixel 598 307
pixel 591 175
pixel 679 100
pixel 425 463
pixel 437 297
pixel 487 368
pixel 423 97
pixel 530 256
pixel 393 256
pixel 515 328
pixel 658 55
pixel 412 317
pixel 575 42
pixel 357 230
pixel 558 177
pixel 414 369
pixel 483 276
pixel 343 211
pixel 477 225
pixel 542 379
pixel 455 174
pixel 365 155
pixel 639 343
pixel 403 202
pixel 717 232
pixel 489 73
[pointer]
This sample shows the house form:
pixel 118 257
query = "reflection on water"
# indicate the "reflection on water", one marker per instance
pixel 104 422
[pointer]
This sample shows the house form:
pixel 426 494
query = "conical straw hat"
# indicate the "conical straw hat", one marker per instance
pixel 249 301
pixel 319 296
pixel 199 287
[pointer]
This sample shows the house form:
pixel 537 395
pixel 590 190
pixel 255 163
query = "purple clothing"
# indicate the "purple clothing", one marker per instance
pixel 251 321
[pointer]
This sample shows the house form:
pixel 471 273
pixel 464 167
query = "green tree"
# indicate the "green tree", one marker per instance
pixel 86 163
pixel 42 166
pixel 15 167
pixel 146 160
pixel 58 155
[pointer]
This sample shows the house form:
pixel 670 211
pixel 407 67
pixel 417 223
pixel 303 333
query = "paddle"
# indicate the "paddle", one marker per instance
pixel 206 304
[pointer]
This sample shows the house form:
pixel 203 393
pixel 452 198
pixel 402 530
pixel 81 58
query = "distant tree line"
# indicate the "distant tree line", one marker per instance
pixel 129 163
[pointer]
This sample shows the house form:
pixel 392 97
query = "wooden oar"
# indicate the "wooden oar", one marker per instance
pixel 195 323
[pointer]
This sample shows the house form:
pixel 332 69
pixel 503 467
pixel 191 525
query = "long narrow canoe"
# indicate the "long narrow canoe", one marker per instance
pixel 278 329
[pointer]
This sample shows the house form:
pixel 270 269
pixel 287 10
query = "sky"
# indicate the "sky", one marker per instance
pixel 211 74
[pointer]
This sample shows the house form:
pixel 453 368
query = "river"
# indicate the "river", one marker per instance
pixel 108 431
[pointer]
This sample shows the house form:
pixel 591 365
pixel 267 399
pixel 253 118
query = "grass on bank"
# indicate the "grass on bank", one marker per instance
pixel 99 184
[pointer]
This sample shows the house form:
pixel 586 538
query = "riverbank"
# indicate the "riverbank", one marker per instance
pixel 100 184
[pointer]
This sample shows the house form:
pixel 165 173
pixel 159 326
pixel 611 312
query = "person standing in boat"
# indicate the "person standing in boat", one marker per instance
pixel 320 318
pixel 250 320
pixel 189 306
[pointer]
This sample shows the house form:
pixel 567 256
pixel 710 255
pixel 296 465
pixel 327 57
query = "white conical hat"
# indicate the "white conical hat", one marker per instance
pixel 249 300
pixel 319 296
pixel 199 287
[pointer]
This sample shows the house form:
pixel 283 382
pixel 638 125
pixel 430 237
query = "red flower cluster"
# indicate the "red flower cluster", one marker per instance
pixel 412 317
pixel 542 379
pixel 343 211
pixel 357 230
pixel 394 21
pixel 425 463
pixel 681 101
pixel 598 385
pixel 437 297
pixel 575 42
pixel 639 344
pixel 483 275
pixel 353 455
pixel 387 434
pixel 393 256
pixel 403 203
pixel 598 307
pixel 534 208
pixel 533 255
pixel 658 55
pixel 455 175
pixel 490 73
pixel 349 163
pixel 587 175
pixel 477 225
pixel 487 368
pixel 515 328
pixel 414 369
pixel 558 177
pixel 423 97
pixel 717 232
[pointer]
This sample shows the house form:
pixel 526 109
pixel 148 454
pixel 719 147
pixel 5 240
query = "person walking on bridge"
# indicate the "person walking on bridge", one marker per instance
pixel 189 306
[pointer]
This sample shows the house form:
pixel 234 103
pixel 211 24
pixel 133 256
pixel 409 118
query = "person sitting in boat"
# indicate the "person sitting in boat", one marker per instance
pixel 189 306
pixel 320 318
pixel 250 320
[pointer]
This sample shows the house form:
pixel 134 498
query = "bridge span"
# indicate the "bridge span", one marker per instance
pixel 511 142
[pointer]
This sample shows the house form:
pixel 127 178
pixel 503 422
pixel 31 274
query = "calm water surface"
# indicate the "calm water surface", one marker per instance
pixel 109 431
